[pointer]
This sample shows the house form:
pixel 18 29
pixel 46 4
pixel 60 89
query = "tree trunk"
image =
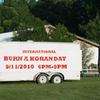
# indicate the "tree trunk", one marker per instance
pixel 99 59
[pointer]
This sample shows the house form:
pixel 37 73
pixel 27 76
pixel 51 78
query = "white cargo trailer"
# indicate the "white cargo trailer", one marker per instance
pixel 40 61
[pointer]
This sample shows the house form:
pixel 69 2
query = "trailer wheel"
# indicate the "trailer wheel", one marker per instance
pixel 56 79
pixel 42 78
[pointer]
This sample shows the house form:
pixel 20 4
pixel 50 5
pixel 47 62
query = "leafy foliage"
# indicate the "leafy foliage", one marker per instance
pixel 7 18
pixel 34 31
pixel 93 29
pixel 61 34
pixel 16 14
pixel 13 13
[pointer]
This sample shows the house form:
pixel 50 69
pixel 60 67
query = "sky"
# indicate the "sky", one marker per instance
pixel 1 0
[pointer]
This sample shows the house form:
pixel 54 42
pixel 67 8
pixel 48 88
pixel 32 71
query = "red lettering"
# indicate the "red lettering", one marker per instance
pixel 58 66
pixel 5 58
pixel 20 66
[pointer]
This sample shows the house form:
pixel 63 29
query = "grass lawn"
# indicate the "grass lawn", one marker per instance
pixel 85 89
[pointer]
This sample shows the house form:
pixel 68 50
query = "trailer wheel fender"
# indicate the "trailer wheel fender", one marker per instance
pixel 42 78
pixel 56 78
pixel 62 76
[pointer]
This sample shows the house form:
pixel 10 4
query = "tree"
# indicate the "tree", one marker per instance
pixel 12 14
pixel 7 18
pixel 1 29
pixel 10 3
pixel 54 11
pixel 57 34
pixel 87 55
pixel 31 3
pixel 93 66
pixel 34 31
pixel 61 34
pixel 71 13
pixel 92 29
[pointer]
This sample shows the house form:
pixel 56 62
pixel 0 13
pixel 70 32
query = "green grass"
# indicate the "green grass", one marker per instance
pixel 85 89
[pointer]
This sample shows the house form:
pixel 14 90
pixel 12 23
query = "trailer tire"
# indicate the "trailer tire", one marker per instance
pixel 42 78
pixel 56 79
